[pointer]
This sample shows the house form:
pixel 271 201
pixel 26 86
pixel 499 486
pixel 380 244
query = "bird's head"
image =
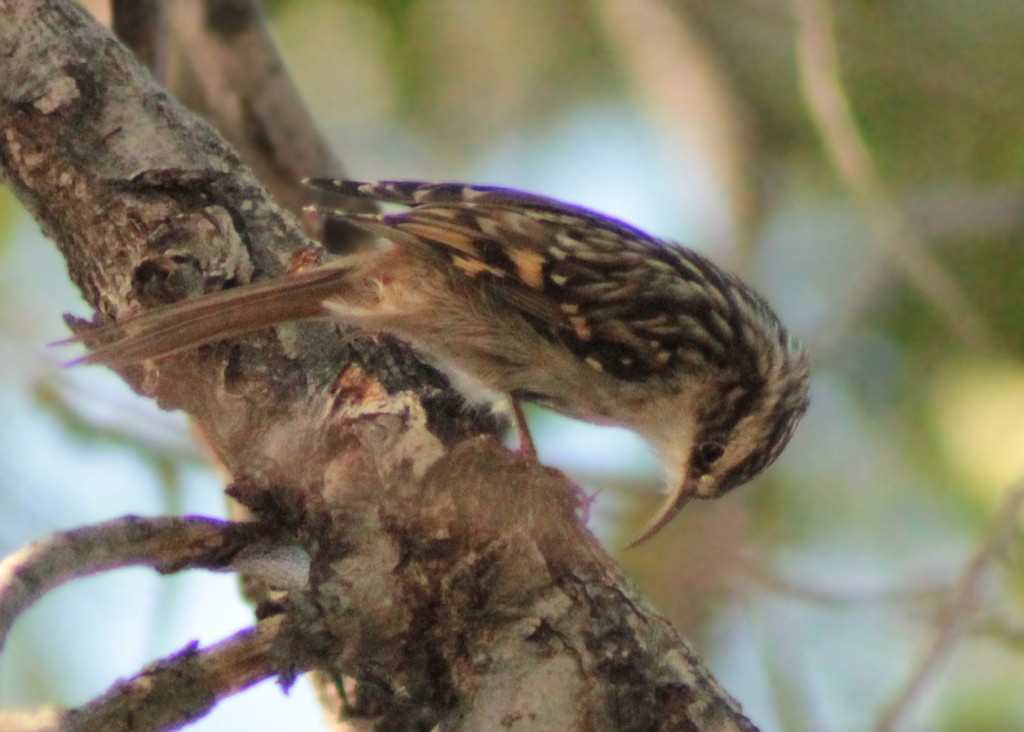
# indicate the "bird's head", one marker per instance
pixel 739 419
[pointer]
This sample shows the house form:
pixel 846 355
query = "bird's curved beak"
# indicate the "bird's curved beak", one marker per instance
pixel 673 504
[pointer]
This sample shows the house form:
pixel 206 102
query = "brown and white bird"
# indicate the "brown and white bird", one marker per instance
pixel 521 296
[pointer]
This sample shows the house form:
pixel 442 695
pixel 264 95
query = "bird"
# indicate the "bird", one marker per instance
pixel 522 297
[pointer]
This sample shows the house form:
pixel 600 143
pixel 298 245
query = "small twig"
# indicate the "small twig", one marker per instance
pixel 837 598
pixel 998 628
pixel 962 607
pixel 167 544
pixel 187 685
pixel 960 213
pixel 830 111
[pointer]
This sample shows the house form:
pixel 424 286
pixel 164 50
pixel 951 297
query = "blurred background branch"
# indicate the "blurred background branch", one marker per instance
pixel 960 611
pixel 830 111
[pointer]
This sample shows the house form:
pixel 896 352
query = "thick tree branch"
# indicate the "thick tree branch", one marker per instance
pixel 227 69
pixel 142 26
pixel 453 576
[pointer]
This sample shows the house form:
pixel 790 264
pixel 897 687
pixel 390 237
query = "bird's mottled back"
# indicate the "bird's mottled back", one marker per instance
pixel 624 302
pixel 645 312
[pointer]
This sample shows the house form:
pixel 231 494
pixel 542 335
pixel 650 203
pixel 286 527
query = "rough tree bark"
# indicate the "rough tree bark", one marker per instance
pixel 449 582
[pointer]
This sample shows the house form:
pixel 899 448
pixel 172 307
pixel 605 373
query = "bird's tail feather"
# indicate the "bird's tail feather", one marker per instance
pixel 181 326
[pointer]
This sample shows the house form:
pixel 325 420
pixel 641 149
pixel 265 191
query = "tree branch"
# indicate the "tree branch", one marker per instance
pixel 167 544
pixel 454 577
pixel 184 687
pixel 227 69
pixel 142 26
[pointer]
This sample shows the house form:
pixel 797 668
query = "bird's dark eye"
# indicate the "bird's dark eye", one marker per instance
pixel 708 453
